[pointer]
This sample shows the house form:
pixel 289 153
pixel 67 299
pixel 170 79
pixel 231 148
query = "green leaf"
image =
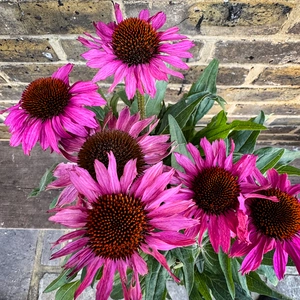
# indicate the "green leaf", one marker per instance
pixel 153 105
pixel 245 140
pixel 155 283
pixel 186 256
pixel 290 170
pixel 238 277
pixel 269 273
pixel 210 257
pixel 200 110
pixel 288 157
pixel 200 284
pixel 218 287
pixel 99 111
pixel 268 157
pixel 195 294
pixel 241 294
pixel 53 203
pixel 181 111
pixel 117 292
pixel 62 279
pixel 45 180
pixel 207 80
pixel 180 142
pixel 257 285
pixel 67 291
pixel 218 128
pixel 113 103
pixel 268 259
pixel 225 264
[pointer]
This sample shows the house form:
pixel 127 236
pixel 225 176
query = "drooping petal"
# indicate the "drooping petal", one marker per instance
pixel 280 260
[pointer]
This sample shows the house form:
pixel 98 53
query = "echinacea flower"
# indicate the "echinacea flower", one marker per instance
pixel 134 50
pixel 121 218
pixel 217 185
pixel 51 111
pixel 127 137
pixel 273 225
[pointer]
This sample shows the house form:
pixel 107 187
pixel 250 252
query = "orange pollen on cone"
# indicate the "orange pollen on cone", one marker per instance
pixel 116 226
pixel 279 220
pixel 45 98
pixel 121 143
pixel 135 42
pixel 216 191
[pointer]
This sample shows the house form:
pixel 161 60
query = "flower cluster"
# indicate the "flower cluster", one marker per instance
pixel 142 188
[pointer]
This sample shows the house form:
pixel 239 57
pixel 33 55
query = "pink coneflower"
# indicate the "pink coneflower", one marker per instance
pixel 272 225
pixel 51 111
pixel 127 137
pixel 121 218
pixel 134 50
pixel 216 185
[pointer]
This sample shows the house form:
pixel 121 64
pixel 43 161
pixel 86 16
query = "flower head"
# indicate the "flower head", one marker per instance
pixel 51 111
pixel 126 136
pixel 216 185
pixel 134 50
pixel 273 224
pixel 120 218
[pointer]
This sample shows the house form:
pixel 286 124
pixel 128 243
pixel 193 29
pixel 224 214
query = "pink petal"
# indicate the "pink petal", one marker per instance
pixel 105 284
pixel 280 259
pixel 114 182
pixel 62 73
pixel 138 264
pixel 158 20
pixel 118 13
pixel 71 217
pixel 89 277
pixel 71 247
pixel 83 87
pixel 253 259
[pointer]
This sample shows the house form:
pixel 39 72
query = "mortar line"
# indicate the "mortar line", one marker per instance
pixel 35 276
pixel 271 38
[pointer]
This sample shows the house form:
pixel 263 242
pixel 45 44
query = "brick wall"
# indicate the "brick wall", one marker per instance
pixel 256 41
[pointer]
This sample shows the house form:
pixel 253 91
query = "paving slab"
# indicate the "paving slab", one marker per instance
pixel 17 257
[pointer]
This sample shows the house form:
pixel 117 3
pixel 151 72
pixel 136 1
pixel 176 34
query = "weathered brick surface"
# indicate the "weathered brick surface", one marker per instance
pixel 2 80
pixel 295 29
pixel 74 48
pixel 259 95
pixel 237 18
pixel 268 52
pixel 279 76
pixel 26 50
pixel 283 108
pixel 8 93
pixel 226 76
pixel 27 73
pixel 44 17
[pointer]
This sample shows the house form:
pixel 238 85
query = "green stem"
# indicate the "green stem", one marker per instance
pixel 141 104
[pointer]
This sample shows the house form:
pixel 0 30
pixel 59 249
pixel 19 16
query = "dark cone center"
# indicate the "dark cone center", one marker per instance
pixel 216 191
pixel 122 144
pixel 116 226
pixel 135 42
pixel 45 98
pixel 279 220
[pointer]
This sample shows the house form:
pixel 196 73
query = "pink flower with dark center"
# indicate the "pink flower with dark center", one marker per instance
pixel 216 185
pixel 273 224
pixel 135 51
pixel 51 112
pixel 121 219
pixel 127 137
